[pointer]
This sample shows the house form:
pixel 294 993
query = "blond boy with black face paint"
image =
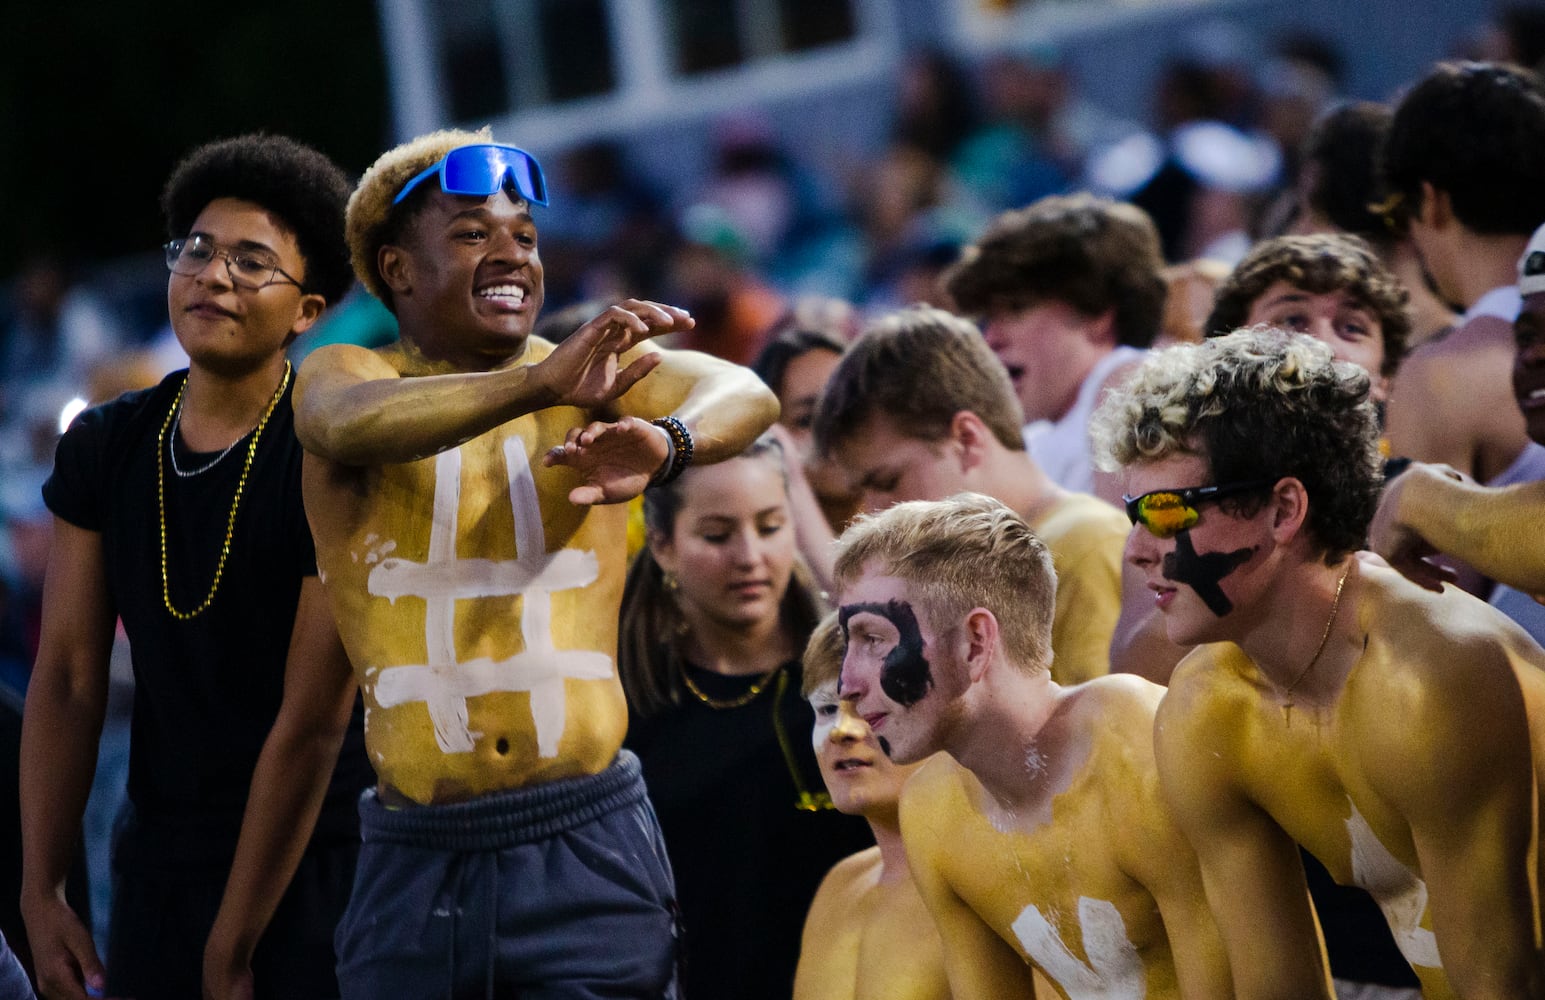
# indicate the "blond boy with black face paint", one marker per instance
pixel 1397 734
pixel 1039 839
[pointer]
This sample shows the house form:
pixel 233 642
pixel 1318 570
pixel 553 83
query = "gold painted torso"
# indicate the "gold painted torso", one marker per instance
pixel 1313 772
pixel 874 940
pixel 1054 888
pixel 479 608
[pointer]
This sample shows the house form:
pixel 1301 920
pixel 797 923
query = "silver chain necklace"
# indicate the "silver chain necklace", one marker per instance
pixel 171 448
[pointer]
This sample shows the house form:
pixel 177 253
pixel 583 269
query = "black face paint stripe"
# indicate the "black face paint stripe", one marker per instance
pixel 1203 571
pixel 905 674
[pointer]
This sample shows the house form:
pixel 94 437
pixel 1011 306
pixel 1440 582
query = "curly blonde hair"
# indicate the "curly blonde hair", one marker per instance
pixel 964 552
pixel 371 221
pixel 1256 404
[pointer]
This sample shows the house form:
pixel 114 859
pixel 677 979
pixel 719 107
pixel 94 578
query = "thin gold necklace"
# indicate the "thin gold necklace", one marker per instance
pixel 1335 606
pixel 736 702
pixel 230 522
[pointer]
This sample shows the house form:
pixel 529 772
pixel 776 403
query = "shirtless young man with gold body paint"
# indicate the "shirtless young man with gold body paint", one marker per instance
pixel 1330 701
pixel 465 487
pixel 868 935
pixel 1040 838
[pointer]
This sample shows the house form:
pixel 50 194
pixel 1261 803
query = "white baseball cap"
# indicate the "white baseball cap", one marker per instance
pixel 1531 266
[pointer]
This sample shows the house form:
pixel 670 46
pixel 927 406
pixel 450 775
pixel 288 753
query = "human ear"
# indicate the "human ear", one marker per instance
pixel 969 434
pixel 307 313
pixel 980 639
pixel 392 263
pixel 1289 508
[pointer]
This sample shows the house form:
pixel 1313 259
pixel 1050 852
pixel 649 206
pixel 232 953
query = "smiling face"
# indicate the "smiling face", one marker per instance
pixel 731 547
pixel 1529 364
pixel 862 780
pixel 1208 579
pixel 229 329
pixel 1351 330
pixel 898 674
pixel 466 278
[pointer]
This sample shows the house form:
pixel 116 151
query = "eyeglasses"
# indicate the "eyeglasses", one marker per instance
pixel 1166 513
pixel 482 170
pixel 247 268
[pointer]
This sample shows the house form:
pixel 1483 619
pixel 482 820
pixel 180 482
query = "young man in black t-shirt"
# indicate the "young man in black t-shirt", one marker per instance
pixel 178 511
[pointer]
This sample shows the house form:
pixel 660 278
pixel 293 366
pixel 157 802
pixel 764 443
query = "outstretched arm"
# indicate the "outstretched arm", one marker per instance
pixel 352 406
pixel 287 790
pixel 61 727
pixel 1428 510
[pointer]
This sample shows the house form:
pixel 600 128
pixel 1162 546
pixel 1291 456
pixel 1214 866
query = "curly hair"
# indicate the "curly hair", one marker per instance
pixel 649 653
pixel 373 221
pixel 960 553
pixel 1317 264
pixel 299 185
pixel 1259 403
pixel 919 366
pixel 1093 253
pixel 1477 132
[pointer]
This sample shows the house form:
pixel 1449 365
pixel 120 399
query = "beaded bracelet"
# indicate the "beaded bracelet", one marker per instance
pixel 681 450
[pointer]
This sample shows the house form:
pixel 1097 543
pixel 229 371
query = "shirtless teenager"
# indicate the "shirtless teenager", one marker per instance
pixel 1330 701
pixel 1040 838
pixel 868 935
pixel 1495 529
pixel 465 487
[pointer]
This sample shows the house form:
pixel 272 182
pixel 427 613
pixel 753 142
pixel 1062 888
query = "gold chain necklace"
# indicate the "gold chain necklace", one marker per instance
pixel 1335 606
pixel 230 522
pixel 736 702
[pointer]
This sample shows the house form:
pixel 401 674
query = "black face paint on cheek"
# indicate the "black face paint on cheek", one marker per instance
pixel 905 674
pixel 1203 571
pixel 885 745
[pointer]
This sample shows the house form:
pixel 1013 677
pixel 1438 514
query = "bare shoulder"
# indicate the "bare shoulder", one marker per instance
pixel 850 877
pixel 934 792
pixel 1430 651
pixel 331 360
pixel 1116 705
pixel 1211 694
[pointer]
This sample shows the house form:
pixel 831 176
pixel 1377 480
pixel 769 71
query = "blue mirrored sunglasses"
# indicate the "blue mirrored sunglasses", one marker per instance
pixel 482 170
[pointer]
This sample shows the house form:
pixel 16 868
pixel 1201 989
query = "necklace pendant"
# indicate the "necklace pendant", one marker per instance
pixel 1287 713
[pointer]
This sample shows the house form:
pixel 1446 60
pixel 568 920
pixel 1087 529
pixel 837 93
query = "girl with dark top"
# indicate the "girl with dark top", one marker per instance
pixel 715 615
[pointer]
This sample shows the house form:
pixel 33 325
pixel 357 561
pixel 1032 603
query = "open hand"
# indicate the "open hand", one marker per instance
pixel 616 460
pixel 583 370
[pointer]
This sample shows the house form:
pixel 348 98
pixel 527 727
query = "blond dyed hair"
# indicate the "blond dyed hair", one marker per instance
pixel 823 655
pixel 371 222
pixel 1257 404
pixel 965 552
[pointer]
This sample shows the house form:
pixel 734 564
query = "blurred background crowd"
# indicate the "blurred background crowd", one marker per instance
pixel 748 161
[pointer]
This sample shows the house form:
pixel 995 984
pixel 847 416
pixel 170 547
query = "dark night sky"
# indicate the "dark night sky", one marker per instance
pixel 99 99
